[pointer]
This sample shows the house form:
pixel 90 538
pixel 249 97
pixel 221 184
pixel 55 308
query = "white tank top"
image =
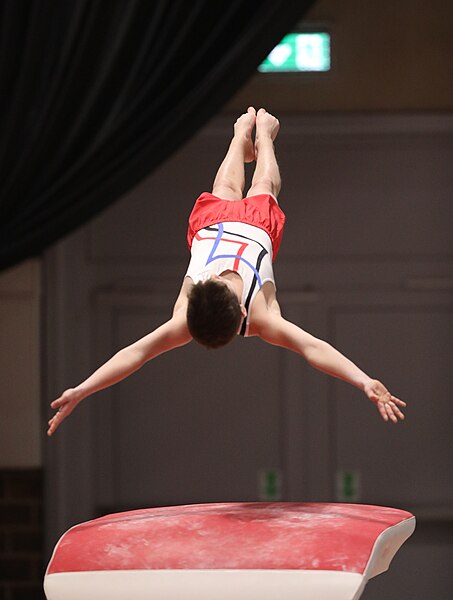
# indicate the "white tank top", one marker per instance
pixel 238 247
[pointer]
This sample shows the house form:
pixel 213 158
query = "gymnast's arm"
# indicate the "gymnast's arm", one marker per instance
pixel 170 335
pixel 321 355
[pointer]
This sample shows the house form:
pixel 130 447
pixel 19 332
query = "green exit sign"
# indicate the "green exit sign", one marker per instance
pixel 299 52
pixel 270 484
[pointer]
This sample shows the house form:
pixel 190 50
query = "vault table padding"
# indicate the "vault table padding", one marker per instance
pixel 185 551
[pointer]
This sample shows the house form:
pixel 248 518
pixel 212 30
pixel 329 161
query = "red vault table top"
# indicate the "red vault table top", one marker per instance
pixel 323 541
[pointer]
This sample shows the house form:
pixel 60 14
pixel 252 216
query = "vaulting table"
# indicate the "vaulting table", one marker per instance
pixel 232 551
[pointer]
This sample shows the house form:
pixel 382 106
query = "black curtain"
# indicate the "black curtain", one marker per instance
pixel 97 93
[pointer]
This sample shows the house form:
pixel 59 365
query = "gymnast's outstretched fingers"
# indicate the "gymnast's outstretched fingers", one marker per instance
pixel 393 406
pixel 64 405
pixel 387 405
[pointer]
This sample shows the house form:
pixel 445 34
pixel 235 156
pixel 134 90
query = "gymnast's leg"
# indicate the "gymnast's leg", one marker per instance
pixel 230 179
pixel 266 179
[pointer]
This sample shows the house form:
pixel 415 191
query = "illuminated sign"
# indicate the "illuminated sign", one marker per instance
pixel 299 52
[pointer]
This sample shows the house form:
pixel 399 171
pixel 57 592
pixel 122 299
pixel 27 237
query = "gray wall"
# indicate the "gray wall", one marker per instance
pixel 20 376
pixel 366 263
pixel 386 56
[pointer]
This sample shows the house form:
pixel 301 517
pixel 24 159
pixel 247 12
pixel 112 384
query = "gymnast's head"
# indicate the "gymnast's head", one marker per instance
pixel 214 313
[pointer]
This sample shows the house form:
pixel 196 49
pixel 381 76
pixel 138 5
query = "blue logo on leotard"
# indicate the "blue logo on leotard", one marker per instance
pixel 211 256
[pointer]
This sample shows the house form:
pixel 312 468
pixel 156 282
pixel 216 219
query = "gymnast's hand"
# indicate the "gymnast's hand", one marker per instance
pixel 387 405
pixel 65 404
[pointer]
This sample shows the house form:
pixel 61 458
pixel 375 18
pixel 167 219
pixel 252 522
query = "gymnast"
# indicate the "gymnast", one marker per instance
pixel 229 286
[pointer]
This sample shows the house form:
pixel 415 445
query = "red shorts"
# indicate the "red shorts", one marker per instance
pixel 261 211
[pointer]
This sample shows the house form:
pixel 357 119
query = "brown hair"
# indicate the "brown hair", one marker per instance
pixel 213 313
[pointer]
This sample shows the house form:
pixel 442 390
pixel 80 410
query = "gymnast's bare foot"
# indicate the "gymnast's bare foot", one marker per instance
pixel 243 128
pixel 267 126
